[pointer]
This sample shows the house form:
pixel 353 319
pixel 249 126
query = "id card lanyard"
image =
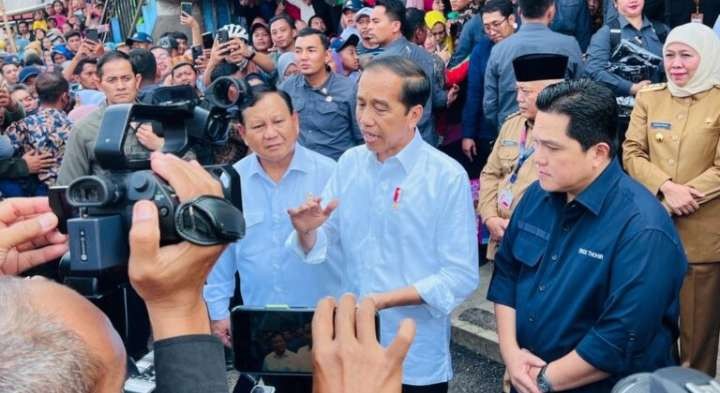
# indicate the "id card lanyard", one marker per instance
pixel 506 195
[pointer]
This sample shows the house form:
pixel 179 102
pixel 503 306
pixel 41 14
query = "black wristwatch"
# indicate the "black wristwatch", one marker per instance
pixel 543 383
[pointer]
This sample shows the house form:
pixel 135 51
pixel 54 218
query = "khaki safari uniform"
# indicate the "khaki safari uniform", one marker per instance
pixel 673 138
pixel 495 176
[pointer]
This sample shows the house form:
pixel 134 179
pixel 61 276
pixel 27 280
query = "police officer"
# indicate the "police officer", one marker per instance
pixel 673 148
pixel 509 171
pixel 324 100
pixel 587 277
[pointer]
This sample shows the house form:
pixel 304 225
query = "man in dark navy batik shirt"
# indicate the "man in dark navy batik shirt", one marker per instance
pixel 587 278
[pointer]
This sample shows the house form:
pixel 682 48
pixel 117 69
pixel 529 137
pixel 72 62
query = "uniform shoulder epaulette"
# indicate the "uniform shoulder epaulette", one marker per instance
pixel 510 116
pixel 654 87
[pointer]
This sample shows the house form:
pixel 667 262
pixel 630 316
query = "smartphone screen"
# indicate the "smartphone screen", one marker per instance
pixel 92 35
pixel 196 52
pixel 207 40
pixel 186 7
pixel 222 36
pixel 273 341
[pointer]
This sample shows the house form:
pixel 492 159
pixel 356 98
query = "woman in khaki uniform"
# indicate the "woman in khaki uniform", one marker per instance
pixel 672 148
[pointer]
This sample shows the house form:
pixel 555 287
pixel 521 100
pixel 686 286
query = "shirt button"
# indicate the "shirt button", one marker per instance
pixel 531 319
pixel 565 228
pixel 675 138
pixel 671 161
pixel 554 257
pixel 541 288
pixel 680 116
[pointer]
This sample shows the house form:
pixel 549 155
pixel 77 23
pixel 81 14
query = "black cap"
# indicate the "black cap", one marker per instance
pixel 540 66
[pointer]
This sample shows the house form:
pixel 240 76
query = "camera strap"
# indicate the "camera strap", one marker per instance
pixel 208 220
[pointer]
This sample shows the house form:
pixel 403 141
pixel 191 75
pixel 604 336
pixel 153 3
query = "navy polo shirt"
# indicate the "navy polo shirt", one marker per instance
pixel 600 275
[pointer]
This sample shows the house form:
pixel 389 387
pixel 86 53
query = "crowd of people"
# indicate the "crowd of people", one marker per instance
pixel 388 148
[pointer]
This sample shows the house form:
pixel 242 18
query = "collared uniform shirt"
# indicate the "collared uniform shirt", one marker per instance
pixel 678 139
pixel 499 101
pixel 46 132
pixel 495 176
pixel 327 114
pixel 406 221
pixel 269 272
pixel 599 53
pixel 286 362
pixel 600 275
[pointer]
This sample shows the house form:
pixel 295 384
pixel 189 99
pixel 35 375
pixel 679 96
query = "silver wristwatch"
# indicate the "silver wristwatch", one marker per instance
pixel 543 383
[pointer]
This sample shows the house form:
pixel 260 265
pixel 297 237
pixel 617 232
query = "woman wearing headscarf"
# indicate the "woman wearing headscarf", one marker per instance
pixel 672 148
pixel 436 24
pixel 286 67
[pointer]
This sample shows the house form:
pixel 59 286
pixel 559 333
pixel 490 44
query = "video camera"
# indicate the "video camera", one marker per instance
pixel 96 211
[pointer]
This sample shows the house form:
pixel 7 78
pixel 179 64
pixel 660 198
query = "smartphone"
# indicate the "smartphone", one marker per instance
pixel 273 341
pixel 207 40
pixel 222 36
pixel 196 52
pixel 92 35
pixel 186 7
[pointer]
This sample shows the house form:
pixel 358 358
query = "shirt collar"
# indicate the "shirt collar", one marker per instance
pixel 408 156
pixel 398 42
pixel 624 22
pixel 324 86
pixel 595 194
pixel 300 163
pixel 534 26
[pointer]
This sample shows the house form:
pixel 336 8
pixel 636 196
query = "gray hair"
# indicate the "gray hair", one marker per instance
pixel 40 354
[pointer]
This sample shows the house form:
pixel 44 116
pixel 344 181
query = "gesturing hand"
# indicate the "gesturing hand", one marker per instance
pixel 347 357
pixel 37 162
pixel 28 235
pixel 311 215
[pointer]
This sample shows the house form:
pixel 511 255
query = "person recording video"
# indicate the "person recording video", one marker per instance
pixel 50 330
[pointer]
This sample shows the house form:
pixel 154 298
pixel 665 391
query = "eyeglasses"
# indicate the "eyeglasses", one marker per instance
pixel 494 25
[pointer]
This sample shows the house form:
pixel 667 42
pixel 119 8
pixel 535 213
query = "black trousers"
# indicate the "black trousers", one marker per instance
pixel 436 388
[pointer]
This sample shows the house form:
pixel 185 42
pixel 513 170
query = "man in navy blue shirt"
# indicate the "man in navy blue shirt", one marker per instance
pixel 587 278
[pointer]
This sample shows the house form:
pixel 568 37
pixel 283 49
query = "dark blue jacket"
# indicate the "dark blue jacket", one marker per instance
pixel 473 117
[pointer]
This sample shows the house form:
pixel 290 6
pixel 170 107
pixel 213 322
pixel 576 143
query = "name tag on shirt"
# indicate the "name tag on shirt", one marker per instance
pixel 508 142
pixel 662 125
pixel 591 254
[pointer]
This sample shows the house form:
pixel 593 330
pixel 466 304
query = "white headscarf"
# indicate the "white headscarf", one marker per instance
pixel 704 40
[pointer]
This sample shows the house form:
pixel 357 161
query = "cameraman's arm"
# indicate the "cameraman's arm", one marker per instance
pixel 170 281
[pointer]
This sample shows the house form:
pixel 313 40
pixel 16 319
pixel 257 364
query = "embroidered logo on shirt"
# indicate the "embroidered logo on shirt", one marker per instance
pixel 591 254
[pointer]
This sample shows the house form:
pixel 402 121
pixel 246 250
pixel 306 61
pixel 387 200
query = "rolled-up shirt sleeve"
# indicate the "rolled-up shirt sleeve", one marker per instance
pixel 457 252
pixel 644 282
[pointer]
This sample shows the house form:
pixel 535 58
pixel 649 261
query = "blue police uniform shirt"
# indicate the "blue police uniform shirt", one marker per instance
pixel 600 275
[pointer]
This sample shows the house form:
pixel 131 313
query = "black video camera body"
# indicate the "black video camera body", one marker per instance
pixel 96 211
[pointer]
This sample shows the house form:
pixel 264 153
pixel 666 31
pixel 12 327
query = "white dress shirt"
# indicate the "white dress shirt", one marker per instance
pixel 269 272
pixel 406 221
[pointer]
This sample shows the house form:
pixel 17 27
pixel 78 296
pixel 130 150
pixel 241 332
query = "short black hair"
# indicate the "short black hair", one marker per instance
pixel 284 17
pixel 394 9
pixel 414 19
pixel 257 93
pixel 72 33
pixel 50 86
pixel 534 9
pixel 23 22
pixel 504 7
pixel 178 35
pixel 415 83
pixel 316 16
pixel 309 31
pixel 143 63
pixel 81 65
pixel 2 67
pixel 18 87
pixel 32 59
pixel 591 108
pixel 110 57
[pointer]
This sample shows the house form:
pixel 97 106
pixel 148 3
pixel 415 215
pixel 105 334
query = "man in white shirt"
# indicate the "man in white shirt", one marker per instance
pixel 280 359
pixel 277 176
pixel 401 216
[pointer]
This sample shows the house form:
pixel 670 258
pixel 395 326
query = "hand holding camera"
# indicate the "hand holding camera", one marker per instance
pixel 170 278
